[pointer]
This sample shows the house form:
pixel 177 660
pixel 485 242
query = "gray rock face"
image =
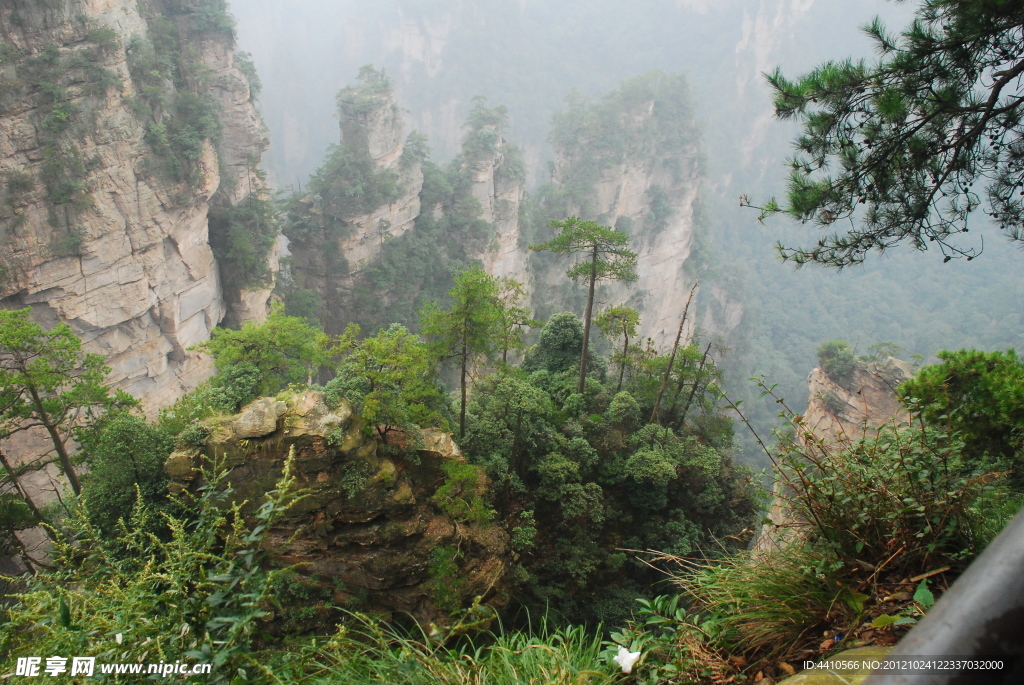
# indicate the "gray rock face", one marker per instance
pixel 500 196
pixel 143 285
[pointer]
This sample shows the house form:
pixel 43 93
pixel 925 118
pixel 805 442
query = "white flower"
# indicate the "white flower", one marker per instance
pixel 626 659
pixel 118 638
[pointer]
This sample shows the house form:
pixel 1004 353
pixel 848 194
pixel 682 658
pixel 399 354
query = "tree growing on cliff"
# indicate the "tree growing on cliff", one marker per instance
pixel 390 379
pixel 285 349
pixel 615 323
pixel 512 316
pixel 909 137
pixel 608 259
pixel 47 382
pixel 469 329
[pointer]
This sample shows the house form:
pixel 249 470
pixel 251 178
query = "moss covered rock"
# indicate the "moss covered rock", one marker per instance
pixel 370 526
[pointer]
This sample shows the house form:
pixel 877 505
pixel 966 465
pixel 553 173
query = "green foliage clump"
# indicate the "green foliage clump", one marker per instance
pixel 235 386
pixel 559 347
pixel 304 304
pixel 202 16
pixel 198 595
pixel 180 116
pixel 459 495
pixel 243 60
pixel 838 360
pixel 284 349
pixel 373 89
pixel 980 396
pixel 242 236
pixel 126 461
pixel 648 116
pixel 902 490
pixel 595 481
pixel 390 379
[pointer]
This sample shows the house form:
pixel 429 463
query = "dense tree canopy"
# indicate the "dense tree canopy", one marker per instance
pixel 909 149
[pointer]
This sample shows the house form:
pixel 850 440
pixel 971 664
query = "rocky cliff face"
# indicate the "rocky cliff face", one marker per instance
pixel 631 160
pixel 496 176
pixel 380 528
pixel 330 258
pixel 93 233
pixel 839 413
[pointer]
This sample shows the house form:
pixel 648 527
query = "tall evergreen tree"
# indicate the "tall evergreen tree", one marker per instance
pixel 607 259
pixel 512 316
pixel 468 329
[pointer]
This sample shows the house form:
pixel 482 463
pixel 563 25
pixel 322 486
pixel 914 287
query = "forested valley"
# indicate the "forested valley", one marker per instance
pixel 498 381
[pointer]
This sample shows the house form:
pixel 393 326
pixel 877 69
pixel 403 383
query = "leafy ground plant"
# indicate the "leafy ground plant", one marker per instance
pixel 368 650
pixel 198 595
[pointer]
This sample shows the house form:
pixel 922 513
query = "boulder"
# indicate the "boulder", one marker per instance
pixel 259 418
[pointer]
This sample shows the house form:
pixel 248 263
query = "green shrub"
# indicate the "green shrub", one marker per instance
pixel 445 584
pixel 837 360
pixel 125 460
pixel 458 496
pixel 242 236
pixel 980 395
pixel 198 596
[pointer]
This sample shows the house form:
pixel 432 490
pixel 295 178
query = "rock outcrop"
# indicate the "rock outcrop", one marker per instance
pixel 496 174
pixel 841 411
pixel 373 527
pixel 330 260
pixel 93 235
pixel 838 413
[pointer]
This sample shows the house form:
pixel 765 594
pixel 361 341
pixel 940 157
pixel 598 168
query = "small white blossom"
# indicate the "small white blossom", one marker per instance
pixel 626 659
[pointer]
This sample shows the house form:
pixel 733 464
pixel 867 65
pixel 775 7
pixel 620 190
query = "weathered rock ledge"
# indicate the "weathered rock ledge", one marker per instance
pixel 371 527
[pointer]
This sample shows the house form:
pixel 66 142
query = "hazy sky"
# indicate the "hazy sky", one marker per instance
pixel 528 54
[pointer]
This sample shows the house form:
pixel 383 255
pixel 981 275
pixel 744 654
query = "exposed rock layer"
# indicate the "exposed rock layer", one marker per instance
pixel 371 524
pixel 839 413
pixel 143 285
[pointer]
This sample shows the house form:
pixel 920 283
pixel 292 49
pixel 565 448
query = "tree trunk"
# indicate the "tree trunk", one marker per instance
pixel 462 409
pixel 672 358
pixel 586 322
pixel 693 390
pixel 21 490
pixel 62 451
pixel 622 364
